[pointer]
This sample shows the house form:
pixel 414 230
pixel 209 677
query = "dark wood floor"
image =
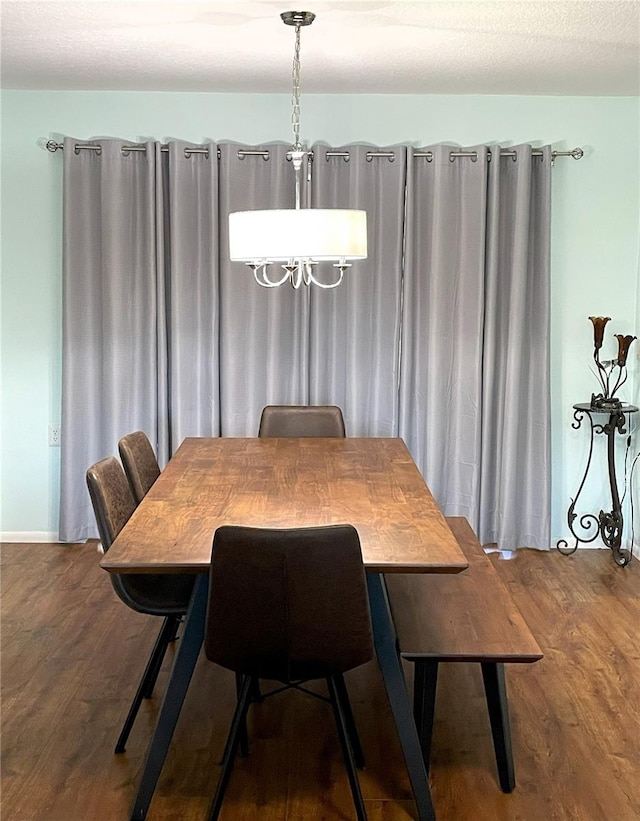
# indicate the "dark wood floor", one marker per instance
pixel 72 653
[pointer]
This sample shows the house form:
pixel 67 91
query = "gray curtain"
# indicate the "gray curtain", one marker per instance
pixel 355 329
pixel 515 489
pixel 431 338
pixel 281 346
pixel 263 331
pixel 474 391
pixel 188 281
pixel 111 317
pixel 140 306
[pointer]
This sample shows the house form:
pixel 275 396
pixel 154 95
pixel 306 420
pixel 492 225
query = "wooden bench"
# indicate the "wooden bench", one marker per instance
pixel 469 616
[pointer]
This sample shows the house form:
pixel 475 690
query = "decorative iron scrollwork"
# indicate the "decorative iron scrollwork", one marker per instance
pixel 607 524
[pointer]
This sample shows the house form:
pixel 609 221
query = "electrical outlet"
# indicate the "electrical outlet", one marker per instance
pixel 54 436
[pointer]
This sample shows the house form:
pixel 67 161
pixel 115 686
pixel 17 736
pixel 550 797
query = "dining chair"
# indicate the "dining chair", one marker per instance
pixel 139 462
pixel 301 420
pixel 289 606
pixel 154 594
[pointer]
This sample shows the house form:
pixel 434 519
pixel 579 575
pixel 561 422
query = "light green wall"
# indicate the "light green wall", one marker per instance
pixel 595 236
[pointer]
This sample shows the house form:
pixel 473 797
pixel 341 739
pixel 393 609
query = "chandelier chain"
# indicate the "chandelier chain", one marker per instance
pixel 295 98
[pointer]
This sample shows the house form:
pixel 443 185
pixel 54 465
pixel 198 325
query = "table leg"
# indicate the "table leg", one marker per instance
pixel 183 667
pixel 391 669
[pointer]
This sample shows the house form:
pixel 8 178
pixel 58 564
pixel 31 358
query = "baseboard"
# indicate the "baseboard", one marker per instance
pixel 591 546
pixel 27 536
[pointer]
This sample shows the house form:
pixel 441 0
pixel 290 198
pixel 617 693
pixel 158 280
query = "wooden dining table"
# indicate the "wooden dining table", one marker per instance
pixel 371 483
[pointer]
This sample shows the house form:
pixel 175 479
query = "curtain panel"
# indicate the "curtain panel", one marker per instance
pixel 263 338
pixel 432 337
pixel 112 347
pixel 474 388
pixel 514 507
pixel 355 329
pixel 442 333
pixel 187 271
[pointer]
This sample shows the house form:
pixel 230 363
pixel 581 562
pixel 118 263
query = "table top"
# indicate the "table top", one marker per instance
pixel 370 483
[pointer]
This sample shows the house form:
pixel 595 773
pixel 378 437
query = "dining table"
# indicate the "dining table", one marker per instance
pixel 371 483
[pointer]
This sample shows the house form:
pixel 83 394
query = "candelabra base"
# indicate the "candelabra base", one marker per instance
pixel 607 524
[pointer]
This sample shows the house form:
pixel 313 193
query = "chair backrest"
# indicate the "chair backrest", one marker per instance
pixel 111 498
pixel 301 420
pixel 158 594
pixel 288 604
pixel 140 463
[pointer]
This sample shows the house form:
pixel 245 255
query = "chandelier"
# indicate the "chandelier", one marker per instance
pixel 297 238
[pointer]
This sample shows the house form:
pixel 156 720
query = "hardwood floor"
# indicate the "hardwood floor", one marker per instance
pixel 72 654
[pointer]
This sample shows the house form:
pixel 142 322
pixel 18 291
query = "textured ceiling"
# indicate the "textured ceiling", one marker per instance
pixel 506 47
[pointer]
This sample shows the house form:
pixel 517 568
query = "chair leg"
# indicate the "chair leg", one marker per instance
pixel 343 733
pixel 231 747
pixel 256 693
pixel 495 688
pixel 244 735
pixel 354 738
pixel 150 674
pixel 425 680
pixel 178 622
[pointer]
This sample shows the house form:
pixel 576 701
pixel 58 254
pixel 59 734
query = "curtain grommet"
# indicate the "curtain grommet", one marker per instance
pixel 389 155
pixel 264 154
pixel 189 152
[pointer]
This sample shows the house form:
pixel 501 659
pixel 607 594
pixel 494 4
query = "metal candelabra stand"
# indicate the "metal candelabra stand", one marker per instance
pixel 607 524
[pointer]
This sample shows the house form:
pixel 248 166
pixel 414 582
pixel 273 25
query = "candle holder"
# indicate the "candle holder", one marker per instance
pixel 609 372
pixel 612 374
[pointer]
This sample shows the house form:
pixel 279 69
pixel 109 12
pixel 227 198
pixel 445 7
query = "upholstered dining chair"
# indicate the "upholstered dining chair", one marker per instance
pixel 289 606
pixel 165 595
pixel 301 420
pixel 139 462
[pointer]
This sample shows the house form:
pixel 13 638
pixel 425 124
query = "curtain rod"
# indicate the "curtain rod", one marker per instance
pixel 576 153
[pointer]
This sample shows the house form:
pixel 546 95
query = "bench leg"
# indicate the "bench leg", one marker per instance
pixel 495 689
pixel 425 680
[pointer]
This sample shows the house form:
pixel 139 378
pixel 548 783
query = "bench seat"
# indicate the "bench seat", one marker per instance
pixel 468 617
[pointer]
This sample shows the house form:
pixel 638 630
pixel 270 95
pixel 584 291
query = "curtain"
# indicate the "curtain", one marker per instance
pixel 440 336
pixel 188 281
pixel 160 331
pixel 110 314
pixel 515 495
pixel 263 339
pixel 474 391
pixel 443 323
pixel 355 329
